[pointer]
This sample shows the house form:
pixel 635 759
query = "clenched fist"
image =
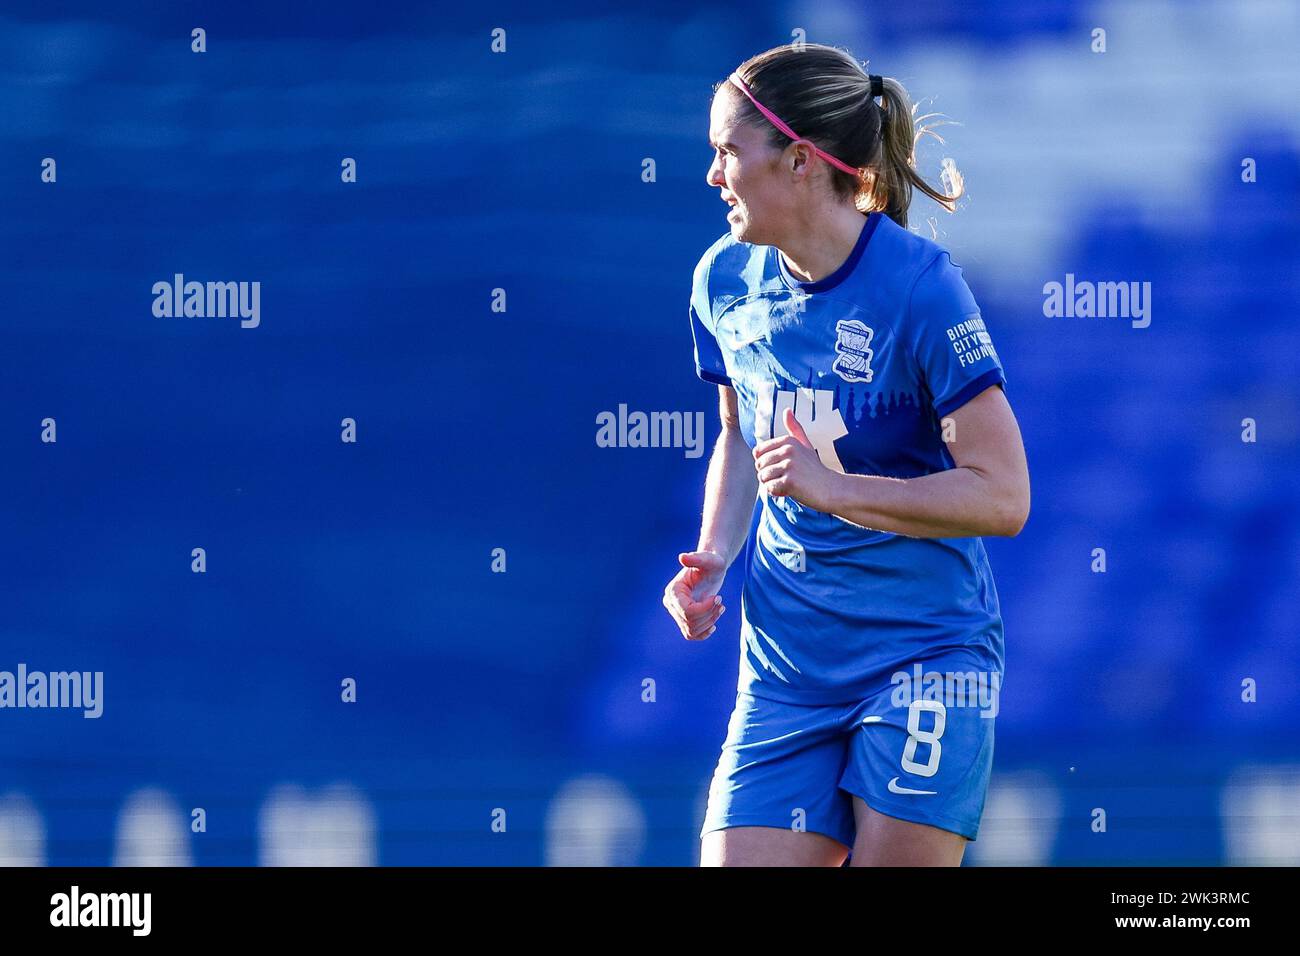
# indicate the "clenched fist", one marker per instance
pixel 788 466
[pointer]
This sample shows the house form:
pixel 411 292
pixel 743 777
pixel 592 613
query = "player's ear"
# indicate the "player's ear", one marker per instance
pixel 801 164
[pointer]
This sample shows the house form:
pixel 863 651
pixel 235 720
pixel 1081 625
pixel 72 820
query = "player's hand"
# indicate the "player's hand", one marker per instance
pixel 692 596
pixel 788 466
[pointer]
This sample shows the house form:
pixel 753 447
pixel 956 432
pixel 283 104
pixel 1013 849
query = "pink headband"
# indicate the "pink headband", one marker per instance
pixel 777 122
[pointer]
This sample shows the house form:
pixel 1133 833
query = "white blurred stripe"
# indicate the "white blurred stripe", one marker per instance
pixel 22 832
pixel 594 821
pixel 335 827
pixel 152 831
pixel 1021 817
pixel 1260 807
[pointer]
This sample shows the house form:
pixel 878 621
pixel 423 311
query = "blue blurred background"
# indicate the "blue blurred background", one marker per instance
pixel 517 696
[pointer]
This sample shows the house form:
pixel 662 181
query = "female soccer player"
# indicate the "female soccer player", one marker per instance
pixel 862 405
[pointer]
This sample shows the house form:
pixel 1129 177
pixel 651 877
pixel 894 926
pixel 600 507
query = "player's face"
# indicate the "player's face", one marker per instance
pixel 746 170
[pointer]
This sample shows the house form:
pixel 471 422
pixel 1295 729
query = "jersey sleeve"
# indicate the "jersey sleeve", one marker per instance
pixel 952 344
pixel 708 356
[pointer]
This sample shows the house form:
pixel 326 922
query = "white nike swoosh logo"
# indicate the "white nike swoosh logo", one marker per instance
pixel 895 788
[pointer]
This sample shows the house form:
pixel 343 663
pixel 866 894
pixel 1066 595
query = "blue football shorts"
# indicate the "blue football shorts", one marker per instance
pixel 798 766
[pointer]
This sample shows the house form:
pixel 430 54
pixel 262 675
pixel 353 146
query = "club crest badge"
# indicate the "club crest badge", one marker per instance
pixel 853 351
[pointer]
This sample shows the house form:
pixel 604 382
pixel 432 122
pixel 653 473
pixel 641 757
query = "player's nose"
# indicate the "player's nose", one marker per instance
pixel 714 175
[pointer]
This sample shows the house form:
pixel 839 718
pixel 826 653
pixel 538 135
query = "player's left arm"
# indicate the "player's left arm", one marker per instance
pixel 986 494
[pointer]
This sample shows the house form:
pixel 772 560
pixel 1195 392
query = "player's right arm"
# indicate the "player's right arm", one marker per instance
pixel 729 493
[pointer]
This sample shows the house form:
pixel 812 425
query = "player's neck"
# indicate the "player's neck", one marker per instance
pixel 824 243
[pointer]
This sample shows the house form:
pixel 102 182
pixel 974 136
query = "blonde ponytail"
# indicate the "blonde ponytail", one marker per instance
pixel 887 186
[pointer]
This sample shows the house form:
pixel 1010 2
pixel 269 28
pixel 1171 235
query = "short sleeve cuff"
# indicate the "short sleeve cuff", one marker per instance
pixel 713 377
pixel 993 376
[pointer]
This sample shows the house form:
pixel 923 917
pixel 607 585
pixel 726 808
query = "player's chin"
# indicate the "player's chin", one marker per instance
pixel 744 231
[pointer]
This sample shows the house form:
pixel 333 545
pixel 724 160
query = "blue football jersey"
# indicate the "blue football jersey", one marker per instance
pixel 870 358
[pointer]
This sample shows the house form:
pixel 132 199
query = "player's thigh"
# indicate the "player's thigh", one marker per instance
pixel 887 841
pixel 921 766
pixel 769 846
